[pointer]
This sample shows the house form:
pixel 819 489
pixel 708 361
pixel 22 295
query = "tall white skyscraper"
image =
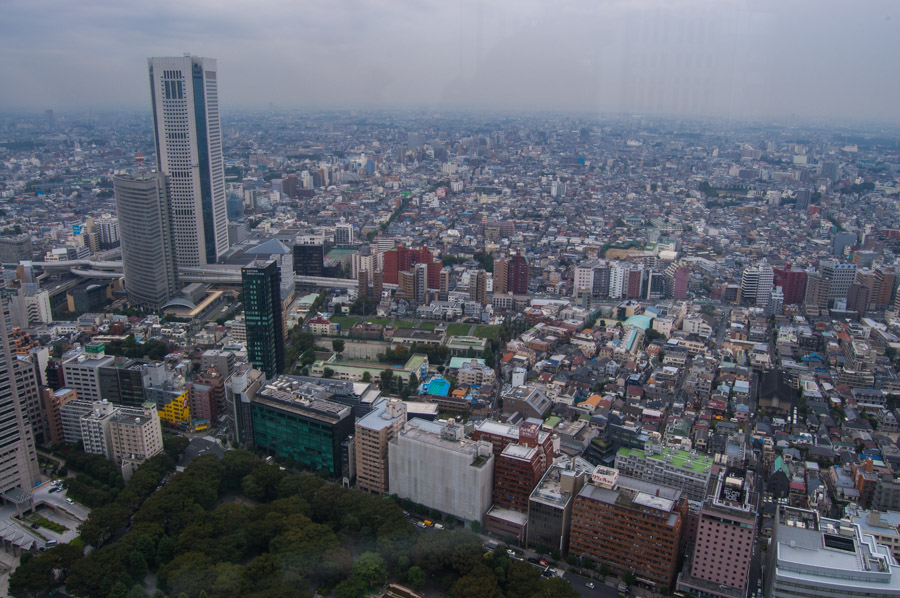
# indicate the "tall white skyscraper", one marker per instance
pixel 18 459
pixel 188 140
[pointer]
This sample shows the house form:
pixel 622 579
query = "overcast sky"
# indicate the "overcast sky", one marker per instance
pixel 732 58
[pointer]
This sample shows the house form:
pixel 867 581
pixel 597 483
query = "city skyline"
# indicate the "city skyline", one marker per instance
pixel 737 60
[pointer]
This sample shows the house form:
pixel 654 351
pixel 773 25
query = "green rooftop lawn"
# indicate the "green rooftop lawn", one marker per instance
pixel 424 325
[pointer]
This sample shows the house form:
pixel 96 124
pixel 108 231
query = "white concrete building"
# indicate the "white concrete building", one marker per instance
pixel 432 464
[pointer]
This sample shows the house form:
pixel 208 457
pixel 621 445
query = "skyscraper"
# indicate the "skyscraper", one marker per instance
pixel 188 138
pixel 517 275
pixel 148 259
pixel 18 458
pixel 261 281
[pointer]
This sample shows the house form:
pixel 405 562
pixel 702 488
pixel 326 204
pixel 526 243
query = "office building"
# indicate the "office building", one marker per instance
pixel 15 249
pixel 28 385
pixel 840 277
pixel 95 433
pixel 148 254
pixel 81 369
pixel 550 507
pixel 309 260
pixel 135 435
pixel 18 458
pixel 188 138
pixel 294 420
pixel 431 463
pixel 53 402
pixel 719 564
pixel 240 390
pixel 810 555
pixel 373 433
pixel 222 361
pixel 517 275
pixel 792 283
pixel 273 249
pixel 343 234
pixel 108 228
pixel 501 269
pixel 675 468
pixel 263 315
pixel 629 525
pixel 478 287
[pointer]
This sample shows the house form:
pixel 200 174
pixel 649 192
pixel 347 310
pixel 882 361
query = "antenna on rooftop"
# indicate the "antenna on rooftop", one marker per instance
pixel 139 158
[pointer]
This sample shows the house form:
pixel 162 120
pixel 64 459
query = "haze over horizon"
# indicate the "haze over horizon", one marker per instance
pixel 734 59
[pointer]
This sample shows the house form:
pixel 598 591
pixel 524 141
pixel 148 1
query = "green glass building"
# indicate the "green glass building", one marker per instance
pixel 261 280
pixel 292 419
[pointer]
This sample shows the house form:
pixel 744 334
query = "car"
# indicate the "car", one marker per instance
pixel 420 524
pixel 510 552
pixel 35 526
pixel 438 526
pixel 533 560
pixel 429 523
pixel 589 585
pixel 52 490
pixel 70 501
pixel 50 543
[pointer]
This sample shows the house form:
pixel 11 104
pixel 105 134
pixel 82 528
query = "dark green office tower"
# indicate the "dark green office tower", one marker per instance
pixel 262 313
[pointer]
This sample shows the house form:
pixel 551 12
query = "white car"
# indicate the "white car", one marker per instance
pixel 589 585
pixel 70 501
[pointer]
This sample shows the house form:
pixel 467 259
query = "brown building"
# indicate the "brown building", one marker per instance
pixel 478 287
pixel 501 269
pixel 630 525
pixel 53 400
pixel 207 395
pixel 373 433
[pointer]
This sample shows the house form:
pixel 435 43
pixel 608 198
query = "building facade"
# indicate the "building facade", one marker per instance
pixel 294 420
pixel 18 458
pixel 187 132
pixel 630 525
pixel 432 464
pixel 148 252
pixel 374 431
pixel 263 316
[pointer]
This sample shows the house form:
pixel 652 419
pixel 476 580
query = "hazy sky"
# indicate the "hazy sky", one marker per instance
pixel 733 58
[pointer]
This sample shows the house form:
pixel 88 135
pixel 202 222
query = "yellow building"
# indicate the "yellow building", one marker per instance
pixel 177 412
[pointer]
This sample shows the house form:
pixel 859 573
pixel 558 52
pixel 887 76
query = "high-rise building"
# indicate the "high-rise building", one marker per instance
pixel 373 433
pixel 723 545
pixel 884 287
pixel 630 525
pixel 343 234
pixel 431 463
pixel 188 136
pixel 148 252
pixel 501 269
pixel 263 314
pixel 309 260
pixel 792 283
pixel 478 287
pixel 841 276
pixel 18 458
pixel 294 420
pixel 517 275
